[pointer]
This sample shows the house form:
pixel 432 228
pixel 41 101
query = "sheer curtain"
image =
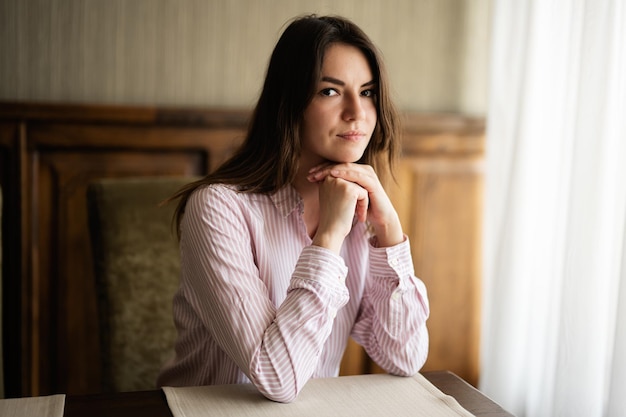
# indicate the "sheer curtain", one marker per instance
pixel 554 318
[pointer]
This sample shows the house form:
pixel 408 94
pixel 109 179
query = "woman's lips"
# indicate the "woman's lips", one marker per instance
pixel 352 135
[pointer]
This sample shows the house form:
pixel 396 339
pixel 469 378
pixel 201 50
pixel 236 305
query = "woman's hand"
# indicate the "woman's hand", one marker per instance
pixel 339 200
pixel 376 208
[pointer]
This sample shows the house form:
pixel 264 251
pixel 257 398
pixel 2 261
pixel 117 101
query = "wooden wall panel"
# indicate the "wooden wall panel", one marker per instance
pixel 444 199
pixel 51 152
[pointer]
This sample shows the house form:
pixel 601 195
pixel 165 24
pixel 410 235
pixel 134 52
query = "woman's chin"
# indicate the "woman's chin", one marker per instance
pixel 346 159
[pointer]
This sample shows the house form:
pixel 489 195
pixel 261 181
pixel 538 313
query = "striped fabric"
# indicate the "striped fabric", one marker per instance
pixel 258 303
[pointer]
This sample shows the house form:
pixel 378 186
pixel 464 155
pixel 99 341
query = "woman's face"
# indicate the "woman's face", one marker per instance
pixel 340 119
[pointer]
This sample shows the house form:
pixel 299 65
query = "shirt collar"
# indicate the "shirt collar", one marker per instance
pixel 287 200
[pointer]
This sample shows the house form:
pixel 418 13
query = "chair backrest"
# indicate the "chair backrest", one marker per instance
pixel 136 263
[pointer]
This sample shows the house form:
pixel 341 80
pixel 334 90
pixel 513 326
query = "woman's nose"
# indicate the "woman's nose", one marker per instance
pixel 353 109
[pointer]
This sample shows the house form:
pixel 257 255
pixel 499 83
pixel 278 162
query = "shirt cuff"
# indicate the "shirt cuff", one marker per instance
pixel 393 261
pixel 323 270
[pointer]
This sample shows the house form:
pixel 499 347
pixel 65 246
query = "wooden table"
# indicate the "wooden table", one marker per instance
pixel 154 403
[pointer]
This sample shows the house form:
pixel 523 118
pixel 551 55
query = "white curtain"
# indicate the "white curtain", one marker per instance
pixel 554 315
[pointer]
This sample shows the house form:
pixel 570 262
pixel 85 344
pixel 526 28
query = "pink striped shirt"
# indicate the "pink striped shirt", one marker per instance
pixel 258 303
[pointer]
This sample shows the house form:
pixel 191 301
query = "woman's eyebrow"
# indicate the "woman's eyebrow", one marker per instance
pixel 336 81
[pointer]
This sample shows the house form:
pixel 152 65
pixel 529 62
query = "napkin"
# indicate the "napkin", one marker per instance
pixel 361 395
pixel 46 406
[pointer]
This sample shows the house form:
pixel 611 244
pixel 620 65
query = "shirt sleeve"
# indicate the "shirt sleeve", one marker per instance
pixel 277 348
pixel 391 325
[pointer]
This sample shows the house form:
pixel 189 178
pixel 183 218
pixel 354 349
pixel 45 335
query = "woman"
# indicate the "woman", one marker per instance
pixel 292 245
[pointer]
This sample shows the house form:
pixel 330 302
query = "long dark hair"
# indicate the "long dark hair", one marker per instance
pixel 268 158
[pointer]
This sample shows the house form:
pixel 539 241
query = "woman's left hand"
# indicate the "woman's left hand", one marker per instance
pixel 381 214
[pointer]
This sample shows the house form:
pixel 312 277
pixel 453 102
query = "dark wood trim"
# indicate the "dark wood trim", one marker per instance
pixel 413 123
pixel 123 114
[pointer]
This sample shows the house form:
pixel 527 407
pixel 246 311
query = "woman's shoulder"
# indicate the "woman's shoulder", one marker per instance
pixel 214 193
pixel 216 189
pixel 225 196
pixel 232 198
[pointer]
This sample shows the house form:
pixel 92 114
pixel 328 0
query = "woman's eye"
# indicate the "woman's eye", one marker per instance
pixel 329 92
pixel 368 93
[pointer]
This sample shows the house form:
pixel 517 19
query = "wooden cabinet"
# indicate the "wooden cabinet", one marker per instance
pixel 49 153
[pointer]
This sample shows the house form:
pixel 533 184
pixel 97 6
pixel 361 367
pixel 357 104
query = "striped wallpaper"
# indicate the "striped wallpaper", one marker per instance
pixel 214 52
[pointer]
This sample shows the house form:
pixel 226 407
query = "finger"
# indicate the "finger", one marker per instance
pixel 320 167
pixel 359 174
pixel 316 176
pixel 319 172
pixel 322 171
pixel 362 205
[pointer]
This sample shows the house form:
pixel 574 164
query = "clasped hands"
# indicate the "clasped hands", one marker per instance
pixel 350 189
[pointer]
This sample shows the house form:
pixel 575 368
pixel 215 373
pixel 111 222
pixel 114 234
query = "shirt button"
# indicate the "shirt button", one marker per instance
pixel 394 261
pixel 395 295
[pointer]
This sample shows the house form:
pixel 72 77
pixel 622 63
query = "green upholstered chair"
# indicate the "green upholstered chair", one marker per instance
pixel 136 262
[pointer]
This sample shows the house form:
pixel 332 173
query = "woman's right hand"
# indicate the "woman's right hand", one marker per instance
pixel 340 201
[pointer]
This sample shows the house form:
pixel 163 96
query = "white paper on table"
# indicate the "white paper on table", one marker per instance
pixel 44 406
pixel 362 395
